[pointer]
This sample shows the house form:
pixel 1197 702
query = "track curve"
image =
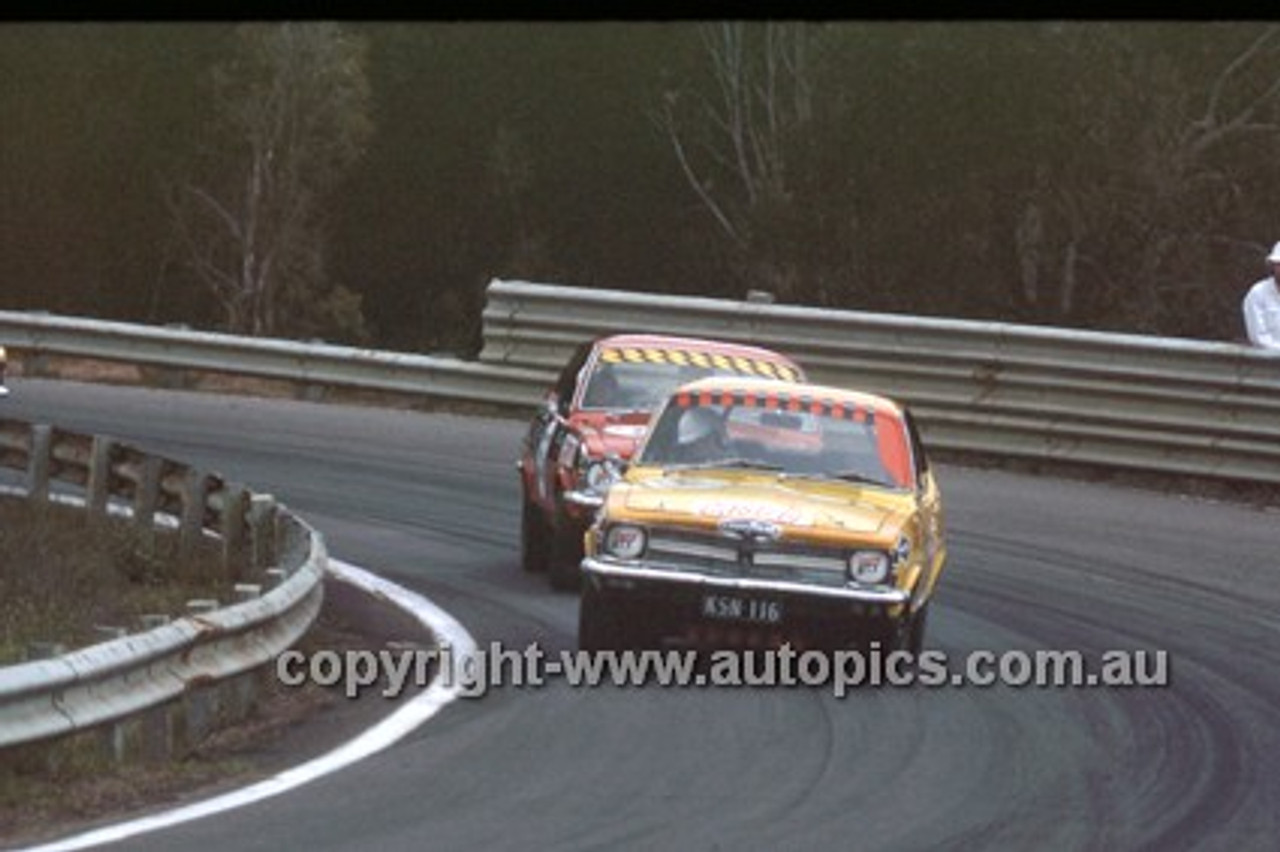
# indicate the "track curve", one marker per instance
pixel 430 501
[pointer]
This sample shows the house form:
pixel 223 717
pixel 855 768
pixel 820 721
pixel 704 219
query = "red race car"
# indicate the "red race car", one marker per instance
pixel 591 422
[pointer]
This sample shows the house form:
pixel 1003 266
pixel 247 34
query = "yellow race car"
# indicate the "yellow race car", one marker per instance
pixel 758 513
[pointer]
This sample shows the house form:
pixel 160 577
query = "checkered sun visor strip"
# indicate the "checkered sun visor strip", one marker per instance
pixel 683 357
pixel 776 401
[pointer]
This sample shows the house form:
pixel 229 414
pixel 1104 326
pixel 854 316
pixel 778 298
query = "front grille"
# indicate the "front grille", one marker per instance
pixel 708 552
pixel 723 556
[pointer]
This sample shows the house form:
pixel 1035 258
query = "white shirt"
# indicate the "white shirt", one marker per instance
pixel 1262 314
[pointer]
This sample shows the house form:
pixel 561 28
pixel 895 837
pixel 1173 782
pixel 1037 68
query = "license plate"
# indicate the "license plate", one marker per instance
pixel 734 608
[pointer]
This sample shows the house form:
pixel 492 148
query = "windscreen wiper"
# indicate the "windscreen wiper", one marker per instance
pixel 735 463
pixel 849 476
pixel 858 476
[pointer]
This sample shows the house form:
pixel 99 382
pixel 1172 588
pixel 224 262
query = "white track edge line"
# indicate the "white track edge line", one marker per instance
pixel 416 711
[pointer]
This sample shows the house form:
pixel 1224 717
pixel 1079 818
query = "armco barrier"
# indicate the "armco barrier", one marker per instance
pixel 165 682
pixel 32 335
pixel 1123 401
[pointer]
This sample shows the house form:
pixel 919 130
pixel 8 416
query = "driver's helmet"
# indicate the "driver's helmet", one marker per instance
pixel 696 424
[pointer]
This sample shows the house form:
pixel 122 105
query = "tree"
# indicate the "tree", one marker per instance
pixel 1130 229
pixel 291 115
pixel 738 144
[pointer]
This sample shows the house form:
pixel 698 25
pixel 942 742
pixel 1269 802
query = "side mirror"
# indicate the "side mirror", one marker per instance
pixel 551 409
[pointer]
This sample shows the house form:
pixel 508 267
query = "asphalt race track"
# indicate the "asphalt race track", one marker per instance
pixel 431 502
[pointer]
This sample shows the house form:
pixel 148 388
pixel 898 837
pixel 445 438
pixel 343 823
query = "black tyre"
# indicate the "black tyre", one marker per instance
pixel 533 538
pixel 913 640
pixel 601 623
pixel 593 624
pixel 565 558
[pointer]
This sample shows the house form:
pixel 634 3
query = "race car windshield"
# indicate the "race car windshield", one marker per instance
pixel 814 439
pixel 641 379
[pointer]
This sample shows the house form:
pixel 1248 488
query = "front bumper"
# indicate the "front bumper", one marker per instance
pixel 639 574
pixel 586 501
pixel 672 607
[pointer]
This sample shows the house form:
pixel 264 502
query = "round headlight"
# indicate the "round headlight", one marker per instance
pixel 624 541
pixel 869 566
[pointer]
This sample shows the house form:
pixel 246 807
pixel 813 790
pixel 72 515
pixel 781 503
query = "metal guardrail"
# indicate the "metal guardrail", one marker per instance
pixel 1047 394
pixel 31 335
pixel 1122 401
pixel 263 547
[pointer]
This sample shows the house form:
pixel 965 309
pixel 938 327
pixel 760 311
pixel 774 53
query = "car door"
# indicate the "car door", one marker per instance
pixel 550 428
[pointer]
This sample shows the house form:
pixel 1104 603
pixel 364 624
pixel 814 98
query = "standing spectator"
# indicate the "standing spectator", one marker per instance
pixel 1262 306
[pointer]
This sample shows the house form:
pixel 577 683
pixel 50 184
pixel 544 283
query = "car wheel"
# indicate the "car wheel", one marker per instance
pixel 565 559
pixel 598 626
pixel 533 537
pixel 914 639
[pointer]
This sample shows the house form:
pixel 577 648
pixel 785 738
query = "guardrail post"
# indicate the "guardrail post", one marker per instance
pixel 156 733
pixel 235 507
pixel 262 532
pixel 284 538
pixel 114 738
pixel 240 693
pixel 99 486
pixel 157 726
pixel 200 701
pixel 38 464
pixel 145 499
pixel 193 498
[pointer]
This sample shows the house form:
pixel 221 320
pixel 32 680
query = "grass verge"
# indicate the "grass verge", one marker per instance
pixel 65 574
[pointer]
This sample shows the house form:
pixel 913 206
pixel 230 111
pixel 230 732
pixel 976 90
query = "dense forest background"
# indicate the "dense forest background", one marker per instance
pixel 363 182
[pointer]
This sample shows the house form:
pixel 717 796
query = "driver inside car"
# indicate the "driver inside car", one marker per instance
pixel 700 436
